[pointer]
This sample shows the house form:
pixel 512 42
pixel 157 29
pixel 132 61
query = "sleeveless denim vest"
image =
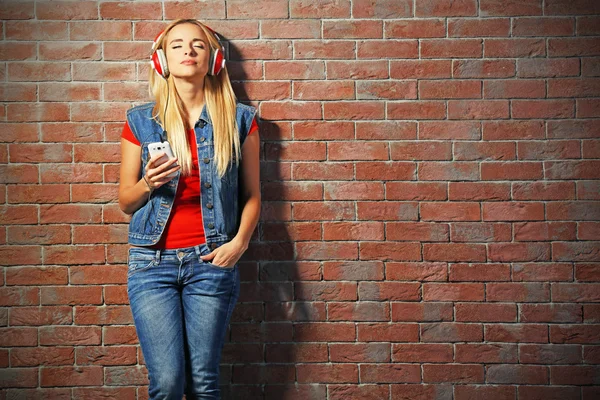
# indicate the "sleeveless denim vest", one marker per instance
pixel 218 196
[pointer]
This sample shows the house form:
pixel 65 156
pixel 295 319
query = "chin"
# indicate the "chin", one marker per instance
pixel 189 75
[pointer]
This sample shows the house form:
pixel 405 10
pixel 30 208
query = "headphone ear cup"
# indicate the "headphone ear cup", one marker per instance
pixel 219 61
pixel 216 61
pixel 162 60
pixel 158 60
pixel 159 63
pixel 211 62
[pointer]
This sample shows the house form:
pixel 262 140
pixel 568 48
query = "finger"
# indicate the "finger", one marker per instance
pixel 157 156
pixel 165 173
pixel 152 161
pixel 161 161
pixel 165 165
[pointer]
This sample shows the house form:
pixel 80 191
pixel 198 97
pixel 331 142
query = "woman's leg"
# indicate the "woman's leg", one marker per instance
pixel 209 297
pixel 155 302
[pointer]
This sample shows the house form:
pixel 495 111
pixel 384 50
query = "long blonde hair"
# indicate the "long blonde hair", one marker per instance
pixel 220 104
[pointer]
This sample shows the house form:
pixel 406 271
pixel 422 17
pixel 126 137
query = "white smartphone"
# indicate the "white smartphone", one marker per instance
pixel 160 147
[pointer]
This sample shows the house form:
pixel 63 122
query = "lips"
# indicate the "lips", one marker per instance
pixel 188 62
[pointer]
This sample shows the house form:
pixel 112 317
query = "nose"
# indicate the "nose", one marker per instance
pixel 191 51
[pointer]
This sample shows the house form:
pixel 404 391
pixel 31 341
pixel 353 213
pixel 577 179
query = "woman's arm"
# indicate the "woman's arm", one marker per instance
pixel 133 192
pixel 250 181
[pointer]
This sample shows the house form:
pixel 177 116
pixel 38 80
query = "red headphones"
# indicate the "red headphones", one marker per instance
pixel 216 60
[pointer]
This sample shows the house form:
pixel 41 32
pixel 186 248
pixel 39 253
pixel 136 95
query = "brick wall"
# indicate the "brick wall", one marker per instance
pixel 430 188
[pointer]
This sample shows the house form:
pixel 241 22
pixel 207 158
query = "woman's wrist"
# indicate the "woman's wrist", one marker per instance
pixel 147 183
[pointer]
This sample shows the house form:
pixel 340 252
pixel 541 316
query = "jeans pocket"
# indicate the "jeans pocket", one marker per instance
pixel 139 260
pixel 220 267
pixel 204 251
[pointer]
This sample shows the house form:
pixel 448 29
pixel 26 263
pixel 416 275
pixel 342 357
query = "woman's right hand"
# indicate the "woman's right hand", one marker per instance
pixel 156 175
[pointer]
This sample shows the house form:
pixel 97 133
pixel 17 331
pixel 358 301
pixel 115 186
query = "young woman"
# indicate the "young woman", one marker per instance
pixel 193 215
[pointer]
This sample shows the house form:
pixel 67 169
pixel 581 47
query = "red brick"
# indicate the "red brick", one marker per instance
pixel 354 109
pixel 417 29
pixel 443 211
pixel 389 291
pixel 403 48
pixel 543 26
pixel 421 271
pixel 518 374
pixel 347 29
pixel 486 312
pixel 423 231
pixel 551 313
pixel 286 29
pixel 324 49
pixel 486 69
pixel 514 89
pixel 353 231
pixel 479 272
pixel 383 90
pixel 453 252
pixel 319 90
pixel 67 376
pixel 513 211
pixel 424 69
pixel 422 352
pixel 518 292
pixel 470 27
pixel 390 373
pixel 478 109
pixel 387 210
pixel 509 252
pixel 544 231
pixel 455 373
pixel 393 170
pixel 478 191
pixel 453 292
pixel 361 311
pixel 421 150
pixel 387 332
pixel 78 11
pixel 388 9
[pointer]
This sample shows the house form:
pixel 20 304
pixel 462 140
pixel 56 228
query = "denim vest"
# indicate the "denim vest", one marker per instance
pixel 218 196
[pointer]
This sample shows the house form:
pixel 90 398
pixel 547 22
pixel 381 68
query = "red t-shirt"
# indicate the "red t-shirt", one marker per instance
pixel 184 227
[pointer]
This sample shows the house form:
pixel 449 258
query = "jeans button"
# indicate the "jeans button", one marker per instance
pixel 181 254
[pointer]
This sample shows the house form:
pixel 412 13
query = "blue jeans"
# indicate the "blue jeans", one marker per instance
pixel 181 307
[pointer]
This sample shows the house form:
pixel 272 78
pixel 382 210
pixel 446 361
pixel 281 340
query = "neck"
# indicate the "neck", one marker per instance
pixel 191 93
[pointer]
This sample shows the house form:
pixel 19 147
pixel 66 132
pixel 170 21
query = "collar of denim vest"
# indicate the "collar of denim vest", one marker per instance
pixel 204 116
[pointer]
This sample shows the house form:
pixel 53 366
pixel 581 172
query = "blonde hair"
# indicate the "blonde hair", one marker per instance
pixel 220 103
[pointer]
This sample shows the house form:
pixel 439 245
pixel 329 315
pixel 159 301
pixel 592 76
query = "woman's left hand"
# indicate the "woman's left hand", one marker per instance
pixel 226 255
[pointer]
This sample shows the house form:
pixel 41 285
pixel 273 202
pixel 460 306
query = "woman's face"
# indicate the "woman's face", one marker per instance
pixel 187 51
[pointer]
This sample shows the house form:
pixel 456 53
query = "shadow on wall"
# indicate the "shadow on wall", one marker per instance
pixel 262 346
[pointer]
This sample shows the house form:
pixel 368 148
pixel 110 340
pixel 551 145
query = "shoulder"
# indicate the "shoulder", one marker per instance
pixel 138 118
pixel 245 110
pixel 145 108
